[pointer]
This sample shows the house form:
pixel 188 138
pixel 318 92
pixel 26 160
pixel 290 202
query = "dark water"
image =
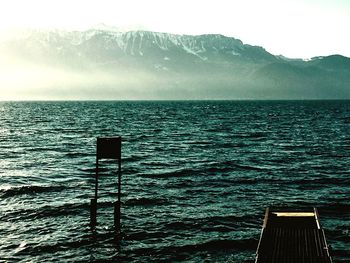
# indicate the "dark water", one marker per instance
pixel 197 177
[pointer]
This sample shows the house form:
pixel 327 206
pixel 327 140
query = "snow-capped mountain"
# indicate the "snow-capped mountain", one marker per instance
pixel 113 44
pixel 203 66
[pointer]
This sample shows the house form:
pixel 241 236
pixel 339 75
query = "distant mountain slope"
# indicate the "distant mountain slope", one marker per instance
pixel 334 62
pixel 149 65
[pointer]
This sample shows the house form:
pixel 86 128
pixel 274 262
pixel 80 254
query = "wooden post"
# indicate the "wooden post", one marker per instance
pixel 93 202
pixel 96 177
pixel 93 212
pixel 117 205
pixel 117 216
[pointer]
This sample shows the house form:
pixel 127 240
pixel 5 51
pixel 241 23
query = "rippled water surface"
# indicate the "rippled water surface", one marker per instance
pixel 197 177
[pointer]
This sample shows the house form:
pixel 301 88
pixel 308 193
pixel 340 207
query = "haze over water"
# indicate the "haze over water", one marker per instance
pixel 197 177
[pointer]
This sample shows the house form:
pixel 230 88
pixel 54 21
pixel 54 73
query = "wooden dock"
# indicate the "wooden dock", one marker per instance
pixel 292 237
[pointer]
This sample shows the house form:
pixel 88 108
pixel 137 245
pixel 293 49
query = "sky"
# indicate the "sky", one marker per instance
pixel 293 28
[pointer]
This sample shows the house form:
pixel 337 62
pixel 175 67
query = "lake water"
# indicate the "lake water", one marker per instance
pixel 197 177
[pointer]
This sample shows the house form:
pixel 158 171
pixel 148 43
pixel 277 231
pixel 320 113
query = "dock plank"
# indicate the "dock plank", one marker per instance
pixel 292 238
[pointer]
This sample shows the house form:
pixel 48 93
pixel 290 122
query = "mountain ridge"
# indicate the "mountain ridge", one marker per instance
pixel 155 65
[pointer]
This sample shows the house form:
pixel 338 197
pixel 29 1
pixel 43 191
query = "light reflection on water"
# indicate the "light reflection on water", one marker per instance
pixel 197 177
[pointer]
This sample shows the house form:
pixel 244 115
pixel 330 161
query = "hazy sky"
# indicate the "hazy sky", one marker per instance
pixel 294 28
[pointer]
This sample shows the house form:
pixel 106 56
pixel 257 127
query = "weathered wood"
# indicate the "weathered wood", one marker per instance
pixel 292 237
pixel 93 212
pixel 109 148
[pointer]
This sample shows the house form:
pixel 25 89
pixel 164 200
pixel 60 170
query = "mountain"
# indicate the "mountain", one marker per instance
pixel 106 64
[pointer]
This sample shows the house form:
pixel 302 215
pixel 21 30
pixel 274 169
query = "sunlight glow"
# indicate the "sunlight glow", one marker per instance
pixel 293 28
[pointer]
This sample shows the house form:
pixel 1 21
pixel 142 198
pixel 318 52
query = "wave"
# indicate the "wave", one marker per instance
pixel 176 173
pixel 78 155
pixel 216 167
pixel 30 190
pixel 134 158
pixel 47 211
pixel 346 120
pixel 187 251
pixel 252 135
pixel 146 201
pixel 334 209
pixel 222 224
pixel 233 166
pixel 220 245
pixel 194 188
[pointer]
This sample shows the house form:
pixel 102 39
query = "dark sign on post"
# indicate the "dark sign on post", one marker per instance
pixel 109 148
